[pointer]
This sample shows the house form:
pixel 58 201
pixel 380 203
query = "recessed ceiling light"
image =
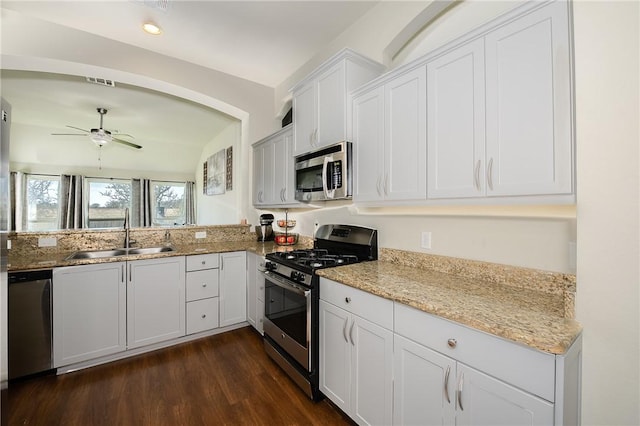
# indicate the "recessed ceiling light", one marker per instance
pixel 150 28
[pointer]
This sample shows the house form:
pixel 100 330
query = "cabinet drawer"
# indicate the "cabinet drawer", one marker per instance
pixel 366 305
pixel 202 315
pixel 526 368
pixel 202 261
pixel 202 284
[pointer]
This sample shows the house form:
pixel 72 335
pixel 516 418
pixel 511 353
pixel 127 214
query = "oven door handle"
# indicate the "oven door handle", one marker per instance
pixel 285 283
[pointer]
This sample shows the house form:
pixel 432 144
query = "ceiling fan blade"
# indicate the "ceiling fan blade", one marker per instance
pixel 78 128
pixel 133 145
pixel 68 134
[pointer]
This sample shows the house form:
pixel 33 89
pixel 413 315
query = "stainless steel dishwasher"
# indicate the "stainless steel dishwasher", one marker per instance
pixel 30 324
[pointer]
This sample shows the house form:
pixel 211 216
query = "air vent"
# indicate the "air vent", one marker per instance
pixel 162 5
pixel 101 81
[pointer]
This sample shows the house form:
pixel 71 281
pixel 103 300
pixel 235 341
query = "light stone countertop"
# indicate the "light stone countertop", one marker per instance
pixel 26 262
pixel 530 317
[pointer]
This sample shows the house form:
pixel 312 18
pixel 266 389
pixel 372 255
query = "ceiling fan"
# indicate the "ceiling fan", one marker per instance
pixel 100 136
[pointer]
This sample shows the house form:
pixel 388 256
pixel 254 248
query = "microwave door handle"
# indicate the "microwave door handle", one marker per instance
pixel 329 193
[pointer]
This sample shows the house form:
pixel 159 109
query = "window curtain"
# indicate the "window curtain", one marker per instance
pixel 71 201
pixel 17 201
pixel 189 203
pixel 140 202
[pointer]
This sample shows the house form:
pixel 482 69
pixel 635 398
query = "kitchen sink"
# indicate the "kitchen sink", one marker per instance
pixel 96 254
pixel 100 254
pixel 150 250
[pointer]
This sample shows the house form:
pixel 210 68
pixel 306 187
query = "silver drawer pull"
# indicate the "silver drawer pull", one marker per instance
pixel 204 316
pixel 452 343
pixel 446 384
pixel 347 299
pixel 204 284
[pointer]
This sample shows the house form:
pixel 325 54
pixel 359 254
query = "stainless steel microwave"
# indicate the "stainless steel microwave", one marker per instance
pixel 325 174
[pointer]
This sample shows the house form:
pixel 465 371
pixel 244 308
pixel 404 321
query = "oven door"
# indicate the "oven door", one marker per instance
pixel 287 316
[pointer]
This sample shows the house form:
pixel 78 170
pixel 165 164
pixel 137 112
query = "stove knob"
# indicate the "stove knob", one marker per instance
pixel 270 266
pixel 295 276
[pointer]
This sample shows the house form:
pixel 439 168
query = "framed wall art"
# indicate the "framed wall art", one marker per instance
pixel 214 173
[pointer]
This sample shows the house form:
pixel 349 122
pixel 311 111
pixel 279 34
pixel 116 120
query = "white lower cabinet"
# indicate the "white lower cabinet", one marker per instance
pixel 89 312
pixel 255 291
pixel 233 288
pixel 430 389
pixel 155 300
pixel 202 289
pixel 356 352
pixel 383 362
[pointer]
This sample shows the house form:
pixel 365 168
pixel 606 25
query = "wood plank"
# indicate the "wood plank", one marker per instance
pixel 222 379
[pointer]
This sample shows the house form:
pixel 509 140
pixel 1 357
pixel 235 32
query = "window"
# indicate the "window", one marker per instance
pixel 42 202
pixel 168 203
pixel 107 199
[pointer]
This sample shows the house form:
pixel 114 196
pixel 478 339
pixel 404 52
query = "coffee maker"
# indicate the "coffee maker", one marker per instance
pixel 265 231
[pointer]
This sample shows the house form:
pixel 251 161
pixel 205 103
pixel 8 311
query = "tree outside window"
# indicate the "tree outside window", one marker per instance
pixel 107 200
pixel 169 203
pixel 42 202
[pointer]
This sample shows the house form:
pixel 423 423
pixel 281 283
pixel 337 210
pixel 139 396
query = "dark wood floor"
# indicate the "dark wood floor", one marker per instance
pixel 220 380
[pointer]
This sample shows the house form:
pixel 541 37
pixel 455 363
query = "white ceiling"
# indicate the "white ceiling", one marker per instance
pixel 261 41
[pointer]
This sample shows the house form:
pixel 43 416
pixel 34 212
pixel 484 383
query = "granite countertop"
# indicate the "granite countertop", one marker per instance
pixel 530 317
pixel 55 258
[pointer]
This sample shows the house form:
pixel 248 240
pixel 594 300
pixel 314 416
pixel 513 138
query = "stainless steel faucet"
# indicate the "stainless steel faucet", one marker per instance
pixel 127 240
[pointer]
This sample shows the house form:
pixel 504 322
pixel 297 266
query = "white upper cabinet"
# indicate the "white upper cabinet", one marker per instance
pixel 456 122
pixel 528 69
pixel 389 133
pixel 274 184
pixel 488 121
pixel 321 112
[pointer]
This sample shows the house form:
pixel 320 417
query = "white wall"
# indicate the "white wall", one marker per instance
pixel 608 305
pixel 222 208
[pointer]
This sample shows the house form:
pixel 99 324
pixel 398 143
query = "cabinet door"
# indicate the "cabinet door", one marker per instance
pixel 89 315
pixel 456 123
pixel 155 300
pixel 335 355
pixel 424 385
pixel 372 372
pixel 269 174
pixel 483 400
pixel 283 188
pixel 252 299
pixel 233 288
pixel 368 145
pixel 331 101
pixel 529 146
pixel 304 119
pixel 406 136
pixel 258 176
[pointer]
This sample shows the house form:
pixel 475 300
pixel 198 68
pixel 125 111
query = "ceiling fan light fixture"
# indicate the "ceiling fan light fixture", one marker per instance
pixel 101 137
pixel 151 28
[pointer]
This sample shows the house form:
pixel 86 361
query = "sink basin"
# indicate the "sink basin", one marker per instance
pixel 99 254
pixel 150 250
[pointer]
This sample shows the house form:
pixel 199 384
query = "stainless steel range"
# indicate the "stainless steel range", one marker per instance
pixel 292 296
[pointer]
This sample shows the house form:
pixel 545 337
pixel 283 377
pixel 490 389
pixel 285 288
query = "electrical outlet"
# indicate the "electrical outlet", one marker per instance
pixel 426 240
pixel 8 244
pixel 201 234
pixel 47 242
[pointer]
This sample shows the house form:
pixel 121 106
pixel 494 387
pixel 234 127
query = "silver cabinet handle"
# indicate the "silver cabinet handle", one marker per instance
pixel 344 330
pixel 476 176
pixel 386 184
pixel 460 385
pixel 351 332
pixel 452 343
pixel 347 299
pixel 204 284
pixel 204 316
pixel 122 272
pixel 221 262
pixel 490 174
pixel 446 384
pixel 378 185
